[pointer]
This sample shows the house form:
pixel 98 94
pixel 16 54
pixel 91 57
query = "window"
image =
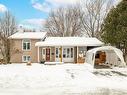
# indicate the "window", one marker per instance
pixel 26 58
pixel 43 51
pixel 57 52
pixel 64 53
pixel 82 51
pixel 71 52
pixel 67 52
pixel 26 44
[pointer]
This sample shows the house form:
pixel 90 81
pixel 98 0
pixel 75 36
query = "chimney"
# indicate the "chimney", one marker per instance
pixel 21 29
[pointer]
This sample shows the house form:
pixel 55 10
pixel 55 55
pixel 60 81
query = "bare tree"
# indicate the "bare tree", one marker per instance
pixel 85 18
pixel 64 22
pixel 7 28
pixel 94 12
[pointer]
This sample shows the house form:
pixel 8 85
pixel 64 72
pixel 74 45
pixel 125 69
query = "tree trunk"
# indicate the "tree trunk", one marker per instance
pixel 125 55
pixel 8 51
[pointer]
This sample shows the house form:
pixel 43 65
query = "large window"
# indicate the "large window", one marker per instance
pixel 26 58
pixel 67 52
pixel 26 44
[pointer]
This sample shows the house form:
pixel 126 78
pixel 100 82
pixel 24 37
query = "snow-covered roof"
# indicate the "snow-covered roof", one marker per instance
pixel 28 35
pixel 94 50
pixel 69 41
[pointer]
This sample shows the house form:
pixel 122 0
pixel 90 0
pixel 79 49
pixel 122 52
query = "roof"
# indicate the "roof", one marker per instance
pixel 69 41
pixel 104 48
pixel 28 35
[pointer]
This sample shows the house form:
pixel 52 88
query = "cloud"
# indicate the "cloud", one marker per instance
pixel 62 2
pixel 42 7
pixel 3 8
pixel 33 23
pixel 47 5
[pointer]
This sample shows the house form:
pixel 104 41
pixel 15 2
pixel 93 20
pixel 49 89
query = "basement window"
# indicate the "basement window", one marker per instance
pixel 26 58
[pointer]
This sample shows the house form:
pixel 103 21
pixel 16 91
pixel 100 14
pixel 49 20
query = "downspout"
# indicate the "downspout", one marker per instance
pixel 77 54
pixel 61 54
pixel 38 55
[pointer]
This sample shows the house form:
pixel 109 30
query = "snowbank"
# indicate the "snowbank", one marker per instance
pixel 65 79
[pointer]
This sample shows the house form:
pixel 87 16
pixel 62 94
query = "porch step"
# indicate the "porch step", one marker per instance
pixel 53 63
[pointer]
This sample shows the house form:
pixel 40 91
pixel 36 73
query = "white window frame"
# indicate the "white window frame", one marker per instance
pixel 26 58
pixel 71 56
pixel 26 42
pixel 68 55
pixel 57 54
pixel 44 53
pixel 64 53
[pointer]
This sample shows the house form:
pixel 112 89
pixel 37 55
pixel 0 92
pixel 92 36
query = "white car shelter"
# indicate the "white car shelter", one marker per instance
pixel 113 57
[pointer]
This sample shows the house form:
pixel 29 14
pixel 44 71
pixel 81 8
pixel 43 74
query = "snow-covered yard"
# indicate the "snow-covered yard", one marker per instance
pixel 65 79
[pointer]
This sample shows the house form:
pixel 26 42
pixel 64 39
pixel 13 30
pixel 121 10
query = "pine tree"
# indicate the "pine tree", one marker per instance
pixel 114 29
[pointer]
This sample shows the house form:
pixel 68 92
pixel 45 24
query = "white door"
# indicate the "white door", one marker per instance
pixel 43 53
pixel 57 54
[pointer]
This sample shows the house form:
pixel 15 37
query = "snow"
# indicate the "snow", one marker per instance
pixel 53 63
pixel 70 41
pixel 28 35
pixel 64 79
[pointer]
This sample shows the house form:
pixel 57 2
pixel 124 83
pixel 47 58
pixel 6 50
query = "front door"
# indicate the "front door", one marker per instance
pixel 47 54
pixel 57 54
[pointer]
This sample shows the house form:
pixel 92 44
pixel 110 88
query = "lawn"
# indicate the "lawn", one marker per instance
pixel 65 79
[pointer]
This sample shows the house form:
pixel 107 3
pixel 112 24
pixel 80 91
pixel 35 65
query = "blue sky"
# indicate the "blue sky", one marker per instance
pixel 23 10
pixel 31 13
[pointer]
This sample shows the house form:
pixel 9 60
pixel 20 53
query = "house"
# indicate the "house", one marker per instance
pixel 65 49
pixel 36 46
pixel 105 57
pixel 23 46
